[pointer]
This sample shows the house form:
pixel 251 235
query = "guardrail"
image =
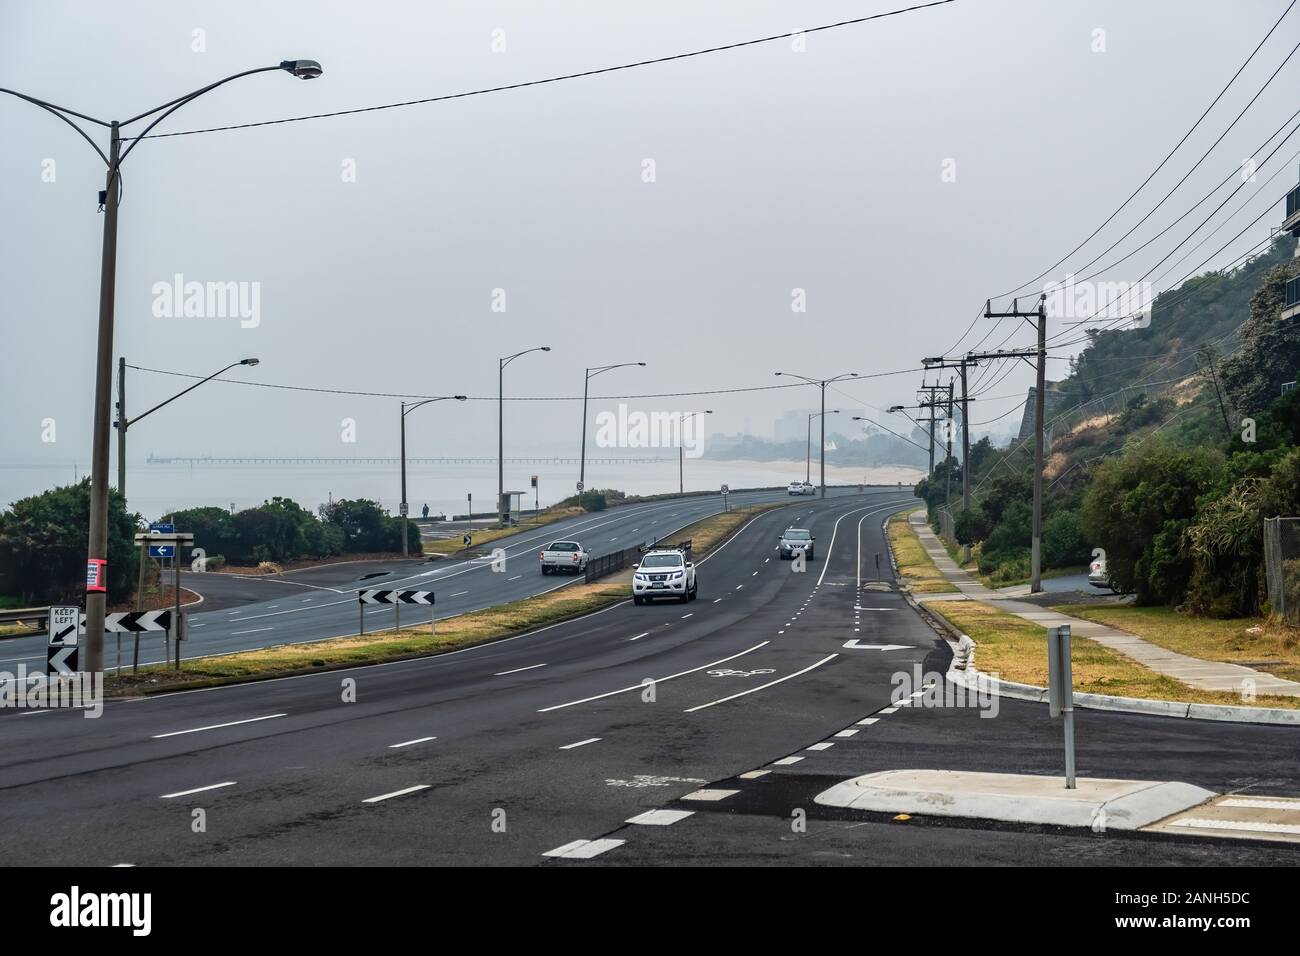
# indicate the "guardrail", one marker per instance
pixel 35 616
pixel 608 564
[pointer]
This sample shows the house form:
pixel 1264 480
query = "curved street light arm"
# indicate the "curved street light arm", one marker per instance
pixel 59 112
pixel 132 421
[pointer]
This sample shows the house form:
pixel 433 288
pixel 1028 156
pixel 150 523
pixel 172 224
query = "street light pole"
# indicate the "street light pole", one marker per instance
pixel 821 383
pixel 682 419
pixel 808 456
pixel 503 512
pixel 97 537
pixel 407 408
pixel 582 466
pixel 123 423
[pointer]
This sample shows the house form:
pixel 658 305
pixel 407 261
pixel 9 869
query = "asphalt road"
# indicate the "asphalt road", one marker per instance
pixel 241 612
pixel 506 752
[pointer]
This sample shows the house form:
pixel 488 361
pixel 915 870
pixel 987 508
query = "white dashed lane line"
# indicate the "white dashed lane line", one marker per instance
pixel 583 849
pixel 460 593
pixel 397 793
pixel 411 743
pixel 580 743
pixel 824 745
pixel 186 793
pixel 639 636
pixel 660 818
pixel 232 723
pixel 518 670
pixel 255 630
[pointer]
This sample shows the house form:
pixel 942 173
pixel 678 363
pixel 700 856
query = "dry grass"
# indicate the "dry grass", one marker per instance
pixel 1016 650
pixel 1274 650
pixel 916 568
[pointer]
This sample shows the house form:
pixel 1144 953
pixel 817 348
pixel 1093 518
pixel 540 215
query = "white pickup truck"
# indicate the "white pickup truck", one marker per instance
pixel 564 556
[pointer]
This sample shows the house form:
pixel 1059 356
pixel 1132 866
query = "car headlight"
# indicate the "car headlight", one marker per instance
pixel 677 574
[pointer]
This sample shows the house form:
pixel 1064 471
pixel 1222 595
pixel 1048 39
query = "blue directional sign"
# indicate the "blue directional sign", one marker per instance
pixel 162 550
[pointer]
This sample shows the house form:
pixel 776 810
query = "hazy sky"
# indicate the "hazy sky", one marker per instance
pixel 774 170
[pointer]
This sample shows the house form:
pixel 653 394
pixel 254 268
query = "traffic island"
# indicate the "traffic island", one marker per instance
pixel 1095 803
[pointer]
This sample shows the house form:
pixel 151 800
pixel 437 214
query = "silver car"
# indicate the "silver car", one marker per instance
pixel 794 541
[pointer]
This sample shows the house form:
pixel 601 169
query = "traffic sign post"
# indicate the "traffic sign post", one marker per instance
pixel 166 544
pixel 1060 690
pixel 395 598
pixel 726 491
pixel 66 627
pixel 162 549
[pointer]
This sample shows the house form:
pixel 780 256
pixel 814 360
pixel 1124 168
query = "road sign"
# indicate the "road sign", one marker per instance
pixel 395 597
pixel 402 509
pixel 726 490
pixel 162 550
pixel 581 487
pixel 132 622
pixel 66 625
pixel 534 481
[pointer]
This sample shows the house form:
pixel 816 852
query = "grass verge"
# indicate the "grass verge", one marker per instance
pixel 915 567
pixel 465 630
pixel 484 536
pixel 1274 648
pixel 1016 650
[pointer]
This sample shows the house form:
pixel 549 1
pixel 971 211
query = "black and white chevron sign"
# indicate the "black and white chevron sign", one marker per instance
pixel 129 622
pixel 395 597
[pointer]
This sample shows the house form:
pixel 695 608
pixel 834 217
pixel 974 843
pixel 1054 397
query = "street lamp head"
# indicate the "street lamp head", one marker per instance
pixel 249 361
pixel 642 364
pixel 546 348
pixel 303 69
pixel 934 360
pixel 461 398
pixel 895 408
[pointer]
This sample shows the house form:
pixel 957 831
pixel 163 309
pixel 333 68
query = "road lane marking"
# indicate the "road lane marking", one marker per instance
pixel 580 743
pixel 409 743
pixel 660 818
pixel 754 690
pixel 866 723
pixel 710 794
pixel 1239 825
pixel 186 793
pixel 659 680
pixel 397 793
pixel 846 733
pixel 685 616
pixel 584 849
pixel 255 630
pixel 639 636
pixel 1255 803
pixel 754 774
pixel 518 669
pixel 459 593
pixel 232 723
pixel 515 578
pixel 888 710
pixel 786 761
pixel 824 745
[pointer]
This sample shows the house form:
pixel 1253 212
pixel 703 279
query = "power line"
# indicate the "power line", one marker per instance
pixel 1162 162
pixel 508 398
pixel 561 78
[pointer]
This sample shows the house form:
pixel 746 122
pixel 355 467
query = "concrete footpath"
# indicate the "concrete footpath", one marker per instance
pixel 1192 671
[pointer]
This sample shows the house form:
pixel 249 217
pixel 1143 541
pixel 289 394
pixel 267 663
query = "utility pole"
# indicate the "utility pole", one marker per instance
pixel 959 364
pixel 930 403
pixel 121 426
pixel 947 461
pixel 1040 315
pixel 822 383
pixel 1207 354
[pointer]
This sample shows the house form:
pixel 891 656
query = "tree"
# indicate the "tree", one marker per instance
pixel 1270 347
pixel 43 546
pixel 1138 509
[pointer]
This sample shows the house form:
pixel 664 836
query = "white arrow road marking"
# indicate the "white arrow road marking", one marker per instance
pixel 409 743
pixel 580 743
pixel 856 645
pixel 397 793
pixel 754 690
pixel 233 723
pixel 518 669
pixel 186 793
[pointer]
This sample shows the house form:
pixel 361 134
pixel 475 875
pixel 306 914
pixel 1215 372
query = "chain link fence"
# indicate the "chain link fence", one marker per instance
pixel 1282 567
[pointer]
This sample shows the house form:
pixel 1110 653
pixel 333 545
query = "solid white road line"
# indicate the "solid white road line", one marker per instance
pixel 397 793
pixel 233 723
pixel 660 818
pixel 584 849
pixel 518 669
pixel 657 680
pixel 754 690
pixel 408 743
pixel 186 793
pixel 580 743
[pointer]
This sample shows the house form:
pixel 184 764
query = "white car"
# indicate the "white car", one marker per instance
pixel 802 488
pixel 664 573
pixel 1097 574
pixel 564 556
